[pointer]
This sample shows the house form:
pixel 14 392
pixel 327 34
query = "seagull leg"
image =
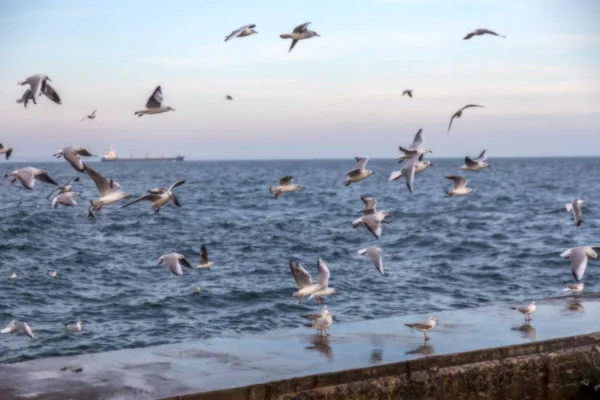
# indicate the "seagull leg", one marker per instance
pixel 299 299
pixel 156 210
pixel 99 206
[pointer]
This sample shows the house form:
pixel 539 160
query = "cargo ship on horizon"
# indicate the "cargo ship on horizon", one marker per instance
pixel 110 155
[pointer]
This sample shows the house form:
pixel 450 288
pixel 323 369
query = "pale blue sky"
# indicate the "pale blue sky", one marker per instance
pixel 333 97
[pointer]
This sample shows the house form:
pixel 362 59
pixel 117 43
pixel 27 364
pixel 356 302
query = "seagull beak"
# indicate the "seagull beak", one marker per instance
pixel 318 35
pixel 431 164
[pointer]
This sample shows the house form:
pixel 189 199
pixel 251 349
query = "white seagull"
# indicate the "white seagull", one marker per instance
pixel 300 32
pixel 323 279
pixel 479 32
pixel 18 327
pixel 575 206
pixel 174 261
pixel 6 150
pixel 373 252
pixel 323 323
pixel 76 327
pixel 72 155
pixel 154 104
pixel 159 197
pixel 64 189
pixel 245 30
pixel 579 258
pixel 52 274
pixel 424 326
pixel 358 173
pixel 372 219
pixel 460 186
pixel 110 191
pixel 318 315
pixel 304 281
pixel 285 185
pixel 39 84
pixel 476 164
pixel 415 145
pixel 458 114
pixel 65 199
pixel 90 116
pixel 204 263
pixel 28 175
pixel 573 287
pixel 526 310
pixel 420 166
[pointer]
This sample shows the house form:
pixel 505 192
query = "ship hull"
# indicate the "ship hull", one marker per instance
pixel 103 159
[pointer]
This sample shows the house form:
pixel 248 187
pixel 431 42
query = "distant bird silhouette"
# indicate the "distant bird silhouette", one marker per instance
pixel 479 32
pixel 458 114
pixel 408 92
pixel 228 97
pixel 300 32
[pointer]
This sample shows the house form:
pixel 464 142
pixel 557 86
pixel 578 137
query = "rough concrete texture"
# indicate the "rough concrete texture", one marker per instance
pixel 552 370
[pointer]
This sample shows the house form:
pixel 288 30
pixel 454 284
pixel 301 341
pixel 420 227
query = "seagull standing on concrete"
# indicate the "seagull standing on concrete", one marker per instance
pixel 424 326
pixel 300 32
pixel 526 310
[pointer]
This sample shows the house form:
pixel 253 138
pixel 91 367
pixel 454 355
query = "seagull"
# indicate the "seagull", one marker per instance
pixel 90 116
pixel 420 166
pixel 28 175
pixel 323 279
pixel 18 327
pixel 245 30
pixel 71 154
pixel 479 32
pixel 371 218
pixel 304 281
pixel 228 97
pixel 66 199
pixel 458 114
pixel 579 258
pixel 358 173
pixel 573 287
pixel 64 189
pixel 154 104
pixel 527 310
pixel 318 315
pixel 174 261
pixel 408 92
pixel 476 164
pixel 27 96
pixel 323 323
pixel 373 252
pixel 204 263
pixel 159 197
pixel 460 186
pixel 409 171
pixel 52 274
pixel 417 142
pixel 300 32
pixel 91 213
pixel 370 204
pixel 110 192
pixel 39 84
pixel 424 326
pixel 285 185
pixel 13 275
pixel 74 327
pixel 575 207
pixel 6 150
pixel 196 289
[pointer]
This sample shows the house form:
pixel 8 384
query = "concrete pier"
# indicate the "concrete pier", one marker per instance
pixel 483 353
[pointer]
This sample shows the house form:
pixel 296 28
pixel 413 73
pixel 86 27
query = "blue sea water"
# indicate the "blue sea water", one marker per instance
pixel 499 244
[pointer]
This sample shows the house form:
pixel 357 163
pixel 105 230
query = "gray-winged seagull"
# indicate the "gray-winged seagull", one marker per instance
pixel 154 105
pixel 72 155
pixel 424 326
pixel 39 84
pixel 460 186
pixel 358 173
pixel 18 327
pixel 159 197
pixel 479 32
pixel 579 258
pixel 245 30
pixel 285 185
pixel 174 261
pixel 458 114
pixel 475 164
pixel 300 32
pixel 28 175
pixel 373 252
pixel 110 191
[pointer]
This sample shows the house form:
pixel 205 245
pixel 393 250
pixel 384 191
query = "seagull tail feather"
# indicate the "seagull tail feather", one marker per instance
pixel 285 36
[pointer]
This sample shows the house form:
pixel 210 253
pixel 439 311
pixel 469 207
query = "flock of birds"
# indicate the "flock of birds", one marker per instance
pixel 111 192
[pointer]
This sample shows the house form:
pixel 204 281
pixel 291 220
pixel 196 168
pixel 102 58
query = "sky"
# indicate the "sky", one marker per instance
pixel 334 96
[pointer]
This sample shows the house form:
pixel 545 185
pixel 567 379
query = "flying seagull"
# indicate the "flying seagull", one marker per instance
pixel 415 145
pixel 65 199
pixel 476 164
pixel 323 279
pixel 526 310
pixel 460 186
pixel 110 191
pixel 27 96
pixel 6 150
pixel 28 175
pixel 174 261
pixel 371 218
pixel 64 189
pixel 300 32
pixel 408 92
pixel 39 84
pixel 90 116
pixel 159 197
pixel 204 263
pixel 91 213
pixel 575 206
pixel 373 252
pixel 579 258
pixel 285 185
pixel 246 30
pixel 458 114
pixel 358 173
pixel 424 326
pixel 154 105
pixel 72 155
pixel 304 281
pixel 479 32
pixel 76 327
pixel 18 327
pixel 228 97
pixel 420 166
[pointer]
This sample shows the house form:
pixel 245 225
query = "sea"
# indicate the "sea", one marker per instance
pixel 501 244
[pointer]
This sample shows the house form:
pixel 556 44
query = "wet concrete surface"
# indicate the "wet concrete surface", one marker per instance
pixel 172 370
